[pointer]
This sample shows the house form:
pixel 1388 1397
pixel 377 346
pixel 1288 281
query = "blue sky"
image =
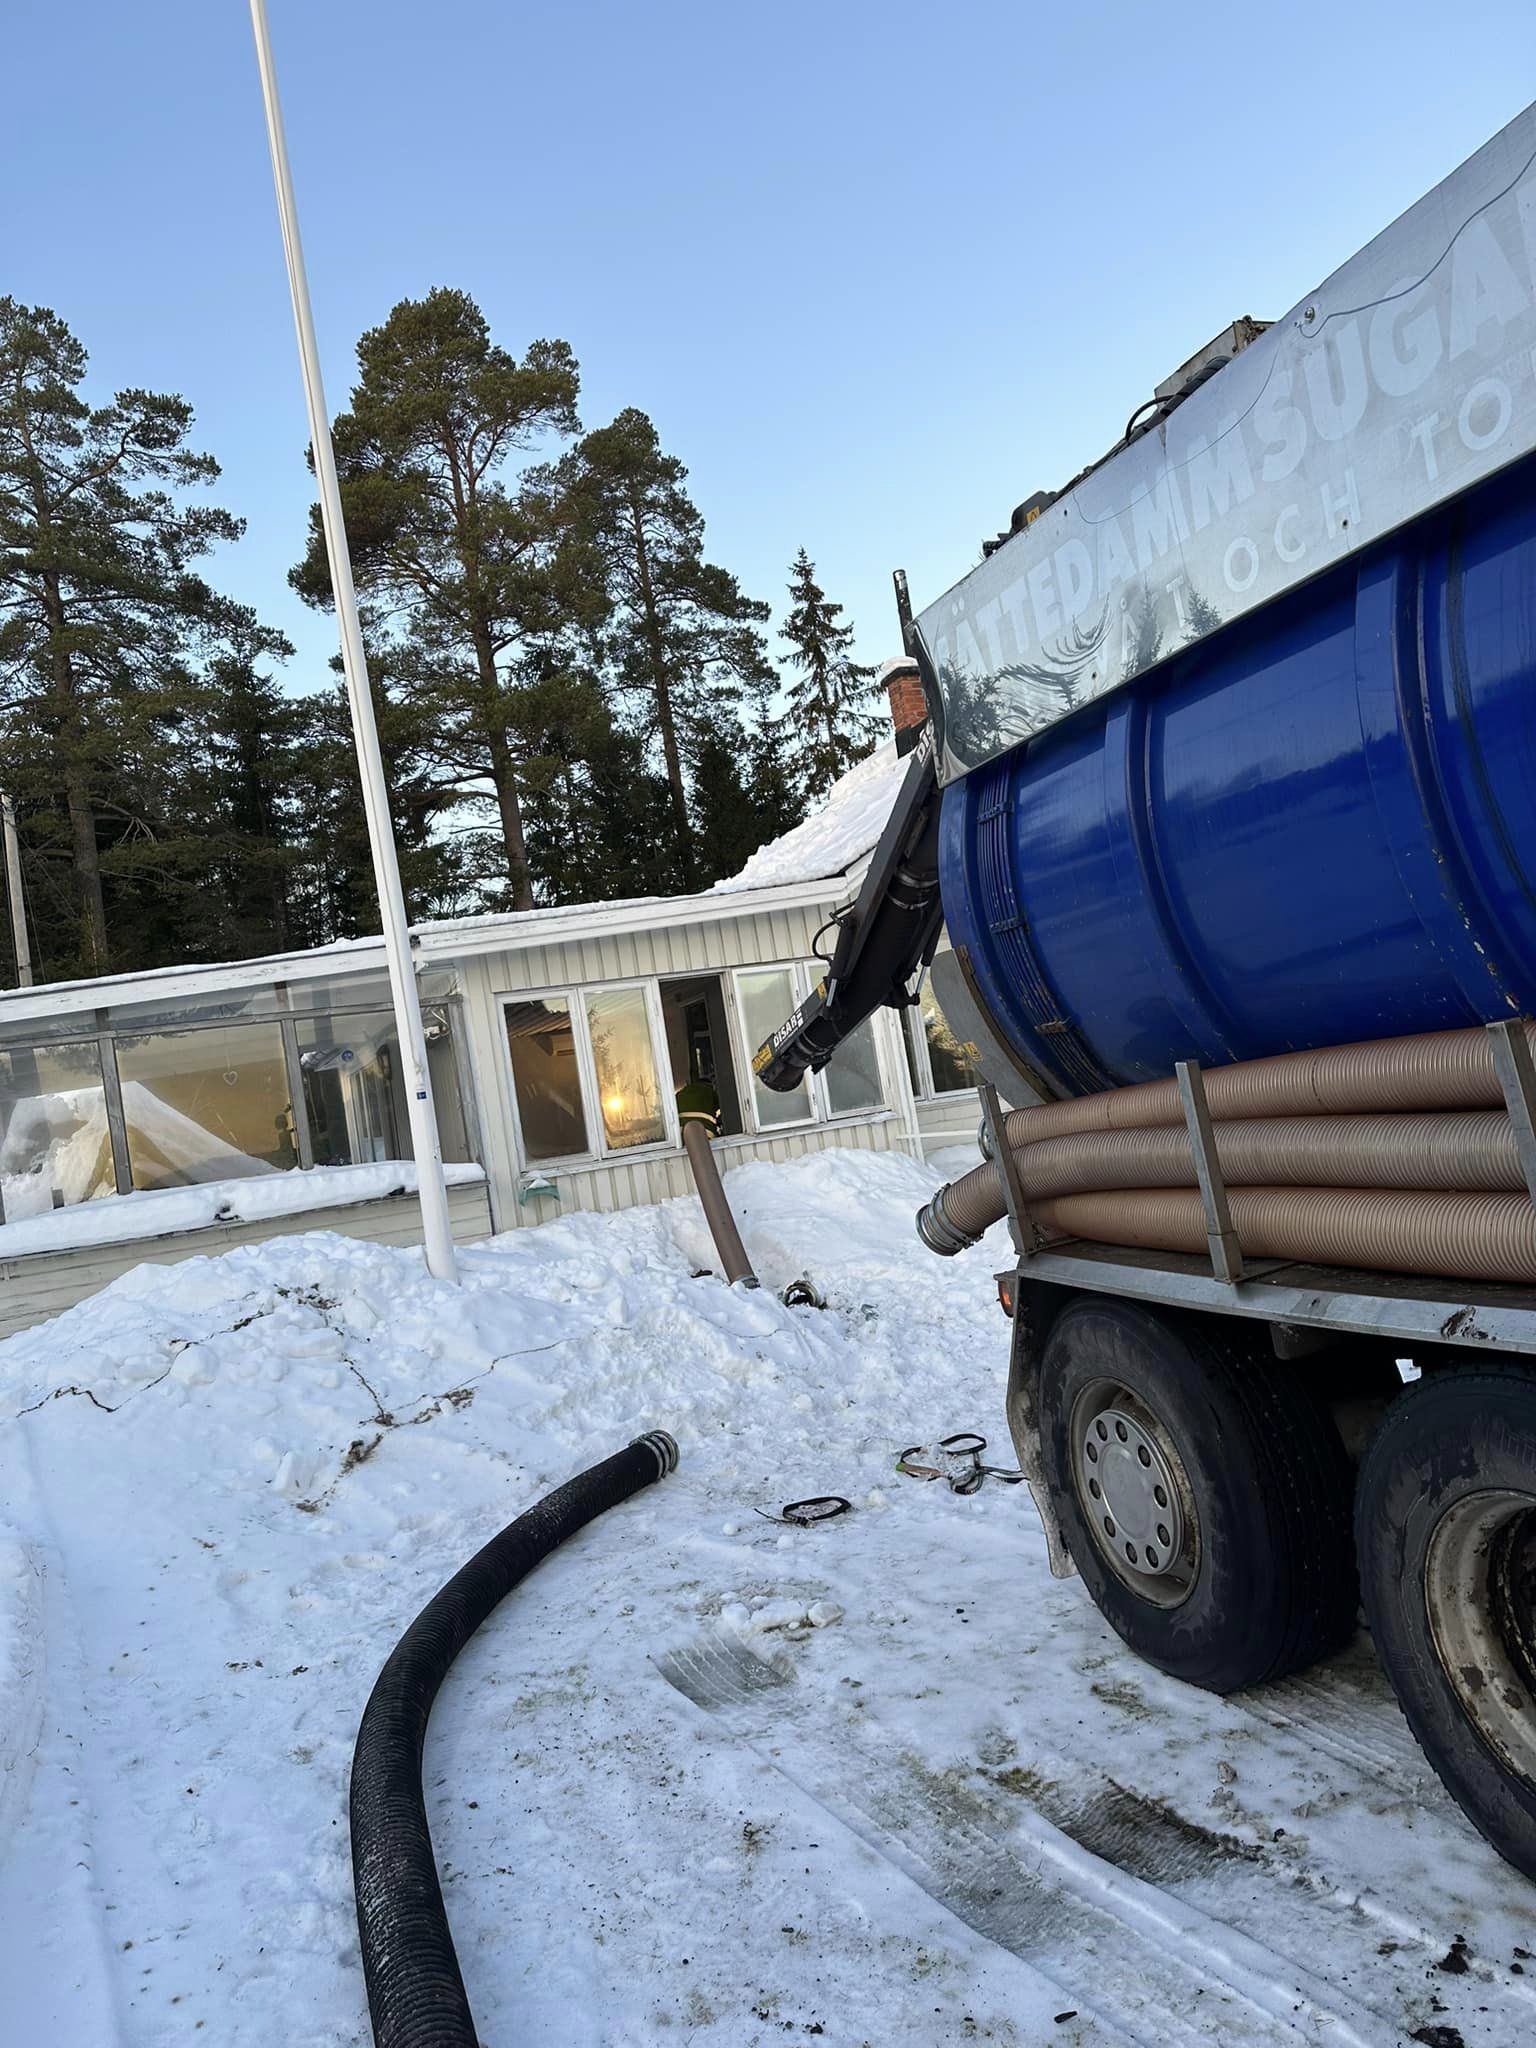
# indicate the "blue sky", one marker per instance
pixel 877 272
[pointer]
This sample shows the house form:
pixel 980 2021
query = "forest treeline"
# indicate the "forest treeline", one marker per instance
pixel 575 703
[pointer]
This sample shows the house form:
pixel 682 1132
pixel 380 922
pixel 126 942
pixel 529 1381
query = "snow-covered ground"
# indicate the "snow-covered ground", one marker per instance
pixel 161 1212
pixel 704 1779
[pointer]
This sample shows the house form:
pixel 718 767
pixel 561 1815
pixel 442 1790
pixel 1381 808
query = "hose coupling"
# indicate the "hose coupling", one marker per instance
pixel 662 1448
pixel 936 1230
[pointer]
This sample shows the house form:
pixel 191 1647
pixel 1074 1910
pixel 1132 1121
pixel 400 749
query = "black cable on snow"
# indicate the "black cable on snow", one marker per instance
pixel 416 1996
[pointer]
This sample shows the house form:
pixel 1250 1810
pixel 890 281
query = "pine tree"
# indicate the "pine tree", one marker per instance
pixel 439 868
pixel 102 618
pixel 678 637
pixel 443 538
pixel 832 720
pixel 601 810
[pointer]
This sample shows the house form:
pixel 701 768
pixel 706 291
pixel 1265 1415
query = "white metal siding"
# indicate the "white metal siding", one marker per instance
pixel 948 1119
pixel 754 939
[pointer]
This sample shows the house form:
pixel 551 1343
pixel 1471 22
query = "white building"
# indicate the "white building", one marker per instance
pixel 157 1115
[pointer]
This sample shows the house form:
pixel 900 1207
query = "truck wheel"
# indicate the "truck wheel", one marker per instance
pixel 1203 1492
pixel 1445 1525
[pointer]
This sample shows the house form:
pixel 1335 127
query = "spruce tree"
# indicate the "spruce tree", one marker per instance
pixel 443 537
pixel 102 617
pixel 832 720
pixel 680 640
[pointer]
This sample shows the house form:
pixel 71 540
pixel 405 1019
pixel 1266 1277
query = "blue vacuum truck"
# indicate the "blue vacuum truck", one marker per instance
pixel 1227 803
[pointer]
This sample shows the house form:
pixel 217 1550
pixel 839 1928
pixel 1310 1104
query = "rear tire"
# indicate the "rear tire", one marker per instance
pixel 1445 1523
pixel 1203 1492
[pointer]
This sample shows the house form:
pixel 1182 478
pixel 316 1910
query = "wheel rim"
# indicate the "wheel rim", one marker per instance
pixel 1480 1592
pixel 1134 1493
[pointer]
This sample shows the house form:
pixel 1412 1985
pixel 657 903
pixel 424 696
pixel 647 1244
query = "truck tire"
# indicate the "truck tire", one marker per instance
pixel 1203 1492
pixel 1445 1527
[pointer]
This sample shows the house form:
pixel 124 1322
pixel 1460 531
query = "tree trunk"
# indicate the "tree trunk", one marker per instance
pixel 93 908
pixel 662 685
pixel 82 815
pixel 503 770
pixel 510 810
pixel 828 718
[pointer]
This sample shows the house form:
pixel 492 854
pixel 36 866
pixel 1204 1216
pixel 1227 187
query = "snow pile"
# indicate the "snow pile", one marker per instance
pixel 124 1219
pixel 705 1779
pixel 832 839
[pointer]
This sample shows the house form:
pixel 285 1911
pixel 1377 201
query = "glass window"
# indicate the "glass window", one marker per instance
pixel 547 1078
pixel 54 1147
pixel 628 1089
pixel 767 997
pixel 211 1006
pixel 951 1059
pixel 18 1033
pixel 852 1075
pixel 206 1105
pixel 354 1091
pixel 328 992
pixel 911 1024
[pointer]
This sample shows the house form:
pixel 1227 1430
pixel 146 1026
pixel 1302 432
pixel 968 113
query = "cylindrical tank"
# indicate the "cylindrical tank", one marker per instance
pixel 1316 827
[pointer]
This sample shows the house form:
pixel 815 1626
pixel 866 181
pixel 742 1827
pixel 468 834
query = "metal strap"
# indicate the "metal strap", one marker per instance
pixel 1516 1070
pixel 1226 1252
pixel 1026 1239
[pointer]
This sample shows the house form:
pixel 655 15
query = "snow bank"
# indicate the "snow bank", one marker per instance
pixel 833 838
pixel 946 1806
pixel 123 1219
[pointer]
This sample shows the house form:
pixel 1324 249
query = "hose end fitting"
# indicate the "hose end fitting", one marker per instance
pixel 936 1230
pixel 662 1448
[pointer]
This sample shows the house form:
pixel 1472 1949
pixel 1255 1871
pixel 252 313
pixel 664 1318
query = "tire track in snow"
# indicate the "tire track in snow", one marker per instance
pixel 60 1983
pixel 1339 1710
pixel 1127 1905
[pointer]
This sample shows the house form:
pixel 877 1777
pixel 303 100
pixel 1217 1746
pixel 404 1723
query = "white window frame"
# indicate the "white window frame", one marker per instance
pixel 879 1107
pixel 803 977
pixel 799 987
pixel 599 1152
pixel 922 1065
pixel 922 1059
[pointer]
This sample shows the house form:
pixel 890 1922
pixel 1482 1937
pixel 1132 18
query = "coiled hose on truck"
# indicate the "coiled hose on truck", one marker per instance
pixel 416 1996
pixel 1396 1154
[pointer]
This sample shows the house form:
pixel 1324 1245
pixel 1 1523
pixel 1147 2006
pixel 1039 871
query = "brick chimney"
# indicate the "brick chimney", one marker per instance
pixel 909 709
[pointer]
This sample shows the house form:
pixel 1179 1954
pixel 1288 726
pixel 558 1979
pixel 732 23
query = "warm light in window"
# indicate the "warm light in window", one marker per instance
pixel 614 1105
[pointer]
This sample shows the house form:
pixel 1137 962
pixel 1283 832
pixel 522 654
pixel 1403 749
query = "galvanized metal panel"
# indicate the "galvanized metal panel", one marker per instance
pixel 1398 384
pixel 1388 1305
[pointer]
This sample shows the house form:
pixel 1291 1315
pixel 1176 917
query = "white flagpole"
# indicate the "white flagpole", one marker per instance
pixel 436 1234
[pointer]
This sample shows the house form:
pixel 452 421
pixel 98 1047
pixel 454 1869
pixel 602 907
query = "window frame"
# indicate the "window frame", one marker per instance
pixel 922 1057
pixel 96 1029
pixel 803 977
pixel 599 1153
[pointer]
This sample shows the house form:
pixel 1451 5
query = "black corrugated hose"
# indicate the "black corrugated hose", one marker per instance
pixel 416 1996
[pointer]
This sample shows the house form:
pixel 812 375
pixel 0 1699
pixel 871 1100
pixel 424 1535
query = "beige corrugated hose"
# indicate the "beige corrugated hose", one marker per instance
pixel 1468 1149
pixel 1416 1121
pixel 1466 1237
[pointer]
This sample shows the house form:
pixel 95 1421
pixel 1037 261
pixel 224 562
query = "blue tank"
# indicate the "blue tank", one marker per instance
pixel 1317 826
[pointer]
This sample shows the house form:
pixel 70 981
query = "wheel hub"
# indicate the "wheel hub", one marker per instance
pixel 1132 1499
pixel 1480 1592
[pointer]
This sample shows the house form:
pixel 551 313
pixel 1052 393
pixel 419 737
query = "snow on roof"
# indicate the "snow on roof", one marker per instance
pixel 832 839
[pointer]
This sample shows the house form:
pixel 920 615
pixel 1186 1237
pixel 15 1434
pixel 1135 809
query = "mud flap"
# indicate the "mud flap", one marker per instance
pixel 1023 1409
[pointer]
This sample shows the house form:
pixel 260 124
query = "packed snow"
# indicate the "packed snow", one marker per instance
pixel 160 1212
pixel 704 1778
pixel 836 835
